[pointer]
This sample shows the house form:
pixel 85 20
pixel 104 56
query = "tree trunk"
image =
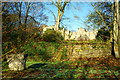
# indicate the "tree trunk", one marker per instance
pixel 57 21
pixel 61 9
pixel 118 21
pixel 116 31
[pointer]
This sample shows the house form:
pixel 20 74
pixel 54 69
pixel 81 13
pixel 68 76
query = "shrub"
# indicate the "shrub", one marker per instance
pixel 4 65
pixel 51 35
pixel 40 51
pixel 103 35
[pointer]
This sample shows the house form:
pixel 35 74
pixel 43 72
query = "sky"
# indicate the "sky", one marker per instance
pixel 76 13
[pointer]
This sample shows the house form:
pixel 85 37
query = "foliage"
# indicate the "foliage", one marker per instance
pixel 19 37
pixel 103 35
pixel 61 54
pixel 4 65
pixel 51 35
pixel 19 24
pixel 102 16
pixel 40 51
pixel 102 19
pixel 84 42
pixel 64 54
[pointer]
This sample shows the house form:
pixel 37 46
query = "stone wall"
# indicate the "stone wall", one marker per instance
pixel 88 50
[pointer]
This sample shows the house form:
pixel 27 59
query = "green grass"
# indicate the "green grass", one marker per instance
pixel 5 69
pixel 90 41
pixel 63 70
pixel 66 69
pixel 37 67
pixel 40 51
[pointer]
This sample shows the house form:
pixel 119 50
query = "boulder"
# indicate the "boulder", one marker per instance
pixel 16 61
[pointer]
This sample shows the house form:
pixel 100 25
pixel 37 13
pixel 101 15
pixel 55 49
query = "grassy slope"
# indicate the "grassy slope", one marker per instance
pixel 83 68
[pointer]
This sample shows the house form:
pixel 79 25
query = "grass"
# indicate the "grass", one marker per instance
pixel 80 68
pixel 66 69
pixel 96 42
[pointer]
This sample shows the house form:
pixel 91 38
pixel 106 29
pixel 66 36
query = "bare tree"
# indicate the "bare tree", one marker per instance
pixel 18 6
pixel 61 8
pixel 27 11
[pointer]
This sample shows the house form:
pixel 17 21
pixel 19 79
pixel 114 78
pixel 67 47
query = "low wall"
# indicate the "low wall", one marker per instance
pixel 88 50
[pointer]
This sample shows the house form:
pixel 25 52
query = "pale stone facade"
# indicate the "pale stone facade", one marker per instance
pixel 68 35
pixel 48 27
pixel 83 32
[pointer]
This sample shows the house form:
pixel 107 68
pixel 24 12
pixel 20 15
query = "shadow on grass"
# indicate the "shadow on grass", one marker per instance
pixel 37 65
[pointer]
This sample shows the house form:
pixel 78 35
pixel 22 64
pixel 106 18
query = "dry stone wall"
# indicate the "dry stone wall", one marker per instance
pixel 86 50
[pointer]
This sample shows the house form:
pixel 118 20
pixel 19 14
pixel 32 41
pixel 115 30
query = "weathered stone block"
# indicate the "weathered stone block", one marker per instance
pixel 16 61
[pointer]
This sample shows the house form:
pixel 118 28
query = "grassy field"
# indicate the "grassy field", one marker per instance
pixel 82 68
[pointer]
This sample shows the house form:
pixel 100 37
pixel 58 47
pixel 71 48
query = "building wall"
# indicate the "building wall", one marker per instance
pixel 49 27
pixel 74 35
